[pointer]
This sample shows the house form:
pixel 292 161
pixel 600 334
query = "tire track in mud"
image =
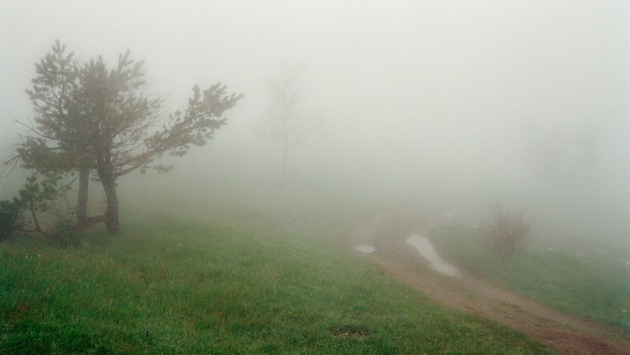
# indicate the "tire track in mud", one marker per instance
pixel 468 293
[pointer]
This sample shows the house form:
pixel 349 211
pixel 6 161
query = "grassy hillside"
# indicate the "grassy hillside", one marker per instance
pixel 171 285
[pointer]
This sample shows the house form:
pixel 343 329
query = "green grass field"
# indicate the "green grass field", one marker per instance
pixel 582 277
pixel 177 285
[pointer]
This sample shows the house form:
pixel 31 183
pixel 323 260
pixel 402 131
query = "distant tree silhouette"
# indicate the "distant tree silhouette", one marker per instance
pixel 287 95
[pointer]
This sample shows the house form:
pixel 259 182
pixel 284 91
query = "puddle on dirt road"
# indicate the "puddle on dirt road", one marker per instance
pixel 425 248
pixel 365 248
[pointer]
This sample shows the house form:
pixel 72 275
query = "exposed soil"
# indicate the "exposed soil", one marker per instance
pixel 469 293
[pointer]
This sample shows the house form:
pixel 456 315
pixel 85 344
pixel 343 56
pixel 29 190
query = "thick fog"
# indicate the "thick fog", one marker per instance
pixel 525 102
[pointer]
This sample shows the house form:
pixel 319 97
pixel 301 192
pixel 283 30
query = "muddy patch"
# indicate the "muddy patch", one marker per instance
pixel 358 333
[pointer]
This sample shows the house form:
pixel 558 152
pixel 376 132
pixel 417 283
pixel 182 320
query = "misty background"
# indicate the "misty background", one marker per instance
pixel 454 104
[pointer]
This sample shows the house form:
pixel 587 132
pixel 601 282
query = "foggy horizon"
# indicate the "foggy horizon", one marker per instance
pixel 523 102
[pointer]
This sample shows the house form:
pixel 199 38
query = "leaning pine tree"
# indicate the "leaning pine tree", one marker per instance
pixel 93 118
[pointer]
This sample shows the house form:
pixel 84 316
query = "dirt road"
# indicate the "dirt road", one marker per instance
pixel 468 293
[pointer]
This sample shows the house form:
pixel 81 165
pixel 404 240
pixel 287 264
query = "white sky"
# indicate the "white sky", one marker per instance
pixel 402 72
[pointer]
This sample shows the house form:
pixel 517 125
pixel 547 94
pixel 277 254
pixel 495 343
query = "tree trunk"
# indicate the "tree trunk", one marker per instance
pixel 84 179
pixel 109 185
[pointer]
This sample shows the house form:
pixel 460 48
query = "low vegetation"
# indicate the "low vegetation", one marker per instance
pixel 166 285
pixel 9 214
pixel 506 233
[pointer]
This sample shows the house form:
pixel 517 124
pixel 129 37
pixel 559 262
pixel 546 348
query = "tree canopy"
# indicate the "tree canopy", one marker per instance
pixel 91 118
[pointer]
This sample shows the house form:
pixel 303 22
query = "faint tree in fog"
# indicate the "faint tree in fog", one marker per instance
pixel 91 117
pixel 285 112
pixel 568 158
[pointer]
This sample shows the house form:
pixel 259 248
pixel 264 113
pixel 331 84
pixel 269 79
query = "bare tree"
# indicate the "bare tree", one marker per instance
pixel 506 232
pixel 285 112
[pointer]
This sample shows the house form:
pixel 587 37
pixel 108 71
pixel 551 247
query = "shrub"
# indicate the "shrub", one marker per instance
pixel 37 210
pixel 9 219
pixel 506 232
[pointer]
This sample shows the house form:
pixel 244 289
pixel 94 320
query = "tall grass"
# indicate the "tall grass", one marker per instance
pixel 172 285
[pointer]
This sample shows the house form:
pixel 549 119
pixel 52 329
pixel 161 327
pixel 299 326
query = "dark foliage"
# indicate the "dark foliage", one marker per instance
pixel 9 218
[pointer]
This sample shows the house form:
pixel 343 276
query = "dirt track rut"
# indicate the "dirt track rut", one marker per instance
pixel 468 293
